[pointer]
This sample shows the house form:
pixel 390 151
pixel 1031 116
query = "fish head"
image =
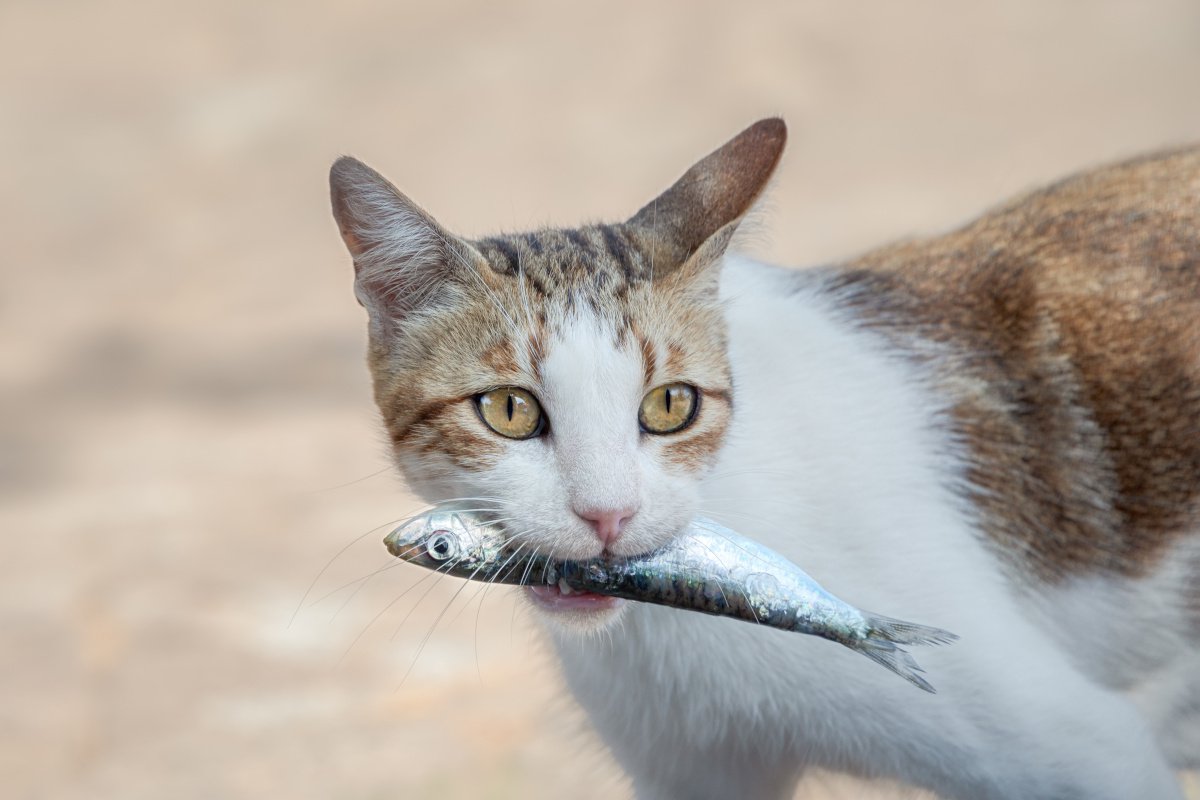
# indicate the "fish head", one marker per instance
pixel 448 541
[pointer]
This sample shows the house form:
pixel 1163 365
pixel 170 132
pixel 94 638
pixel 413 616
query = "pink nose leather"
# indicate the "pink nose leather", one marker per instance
pixel 606 523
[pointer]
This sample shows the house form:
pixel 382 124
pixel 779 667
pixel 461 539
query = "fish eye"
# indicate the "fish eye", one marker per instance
pixel 441 546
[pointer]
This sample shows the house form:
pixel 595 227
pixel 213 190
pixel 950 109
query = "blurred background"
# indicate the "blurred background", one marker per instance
pixel 187 437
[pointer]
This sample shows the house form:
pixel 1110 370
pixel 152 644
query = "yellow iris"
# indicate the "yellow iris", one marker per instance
pixel 511 412
pixel 668 408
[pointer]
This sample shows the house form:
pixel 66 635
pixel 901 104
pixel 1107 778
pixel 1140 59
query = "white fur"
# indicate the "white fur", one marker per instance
pixel 593 457
pixel 836 459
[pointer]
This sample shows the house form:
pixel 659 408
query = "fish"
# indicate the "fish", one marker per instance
pixel 706 567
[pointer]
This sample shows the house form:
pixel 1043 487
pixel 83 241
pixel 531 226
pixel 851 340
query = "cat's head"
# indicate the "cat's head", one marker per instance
pixel 575 382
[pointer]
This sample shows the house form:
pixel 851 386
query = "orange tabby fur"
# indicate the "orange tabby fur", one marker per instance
pixel 1072 320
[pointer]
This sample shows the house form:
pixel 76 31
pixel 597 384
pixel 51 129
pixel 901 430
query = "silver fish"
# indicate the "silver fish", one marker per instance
pixel 706 567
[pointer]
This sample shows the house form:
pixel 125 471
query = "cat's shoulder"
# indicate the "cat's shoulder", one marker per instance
pixel 1106 255
pixel 1141 214
pixel 1071 316
pixel 1154 179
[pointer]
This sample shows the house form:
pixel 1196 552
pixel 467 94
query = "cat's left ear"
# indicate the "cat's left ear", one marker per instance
pixel 689 226
pixel 402 256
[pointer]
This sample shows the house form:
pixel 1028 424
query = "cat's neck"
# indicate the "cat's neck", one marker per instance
pixel 839 454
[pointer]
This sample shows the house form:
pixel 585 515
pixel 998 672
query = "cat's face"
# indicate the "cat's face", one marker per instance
pixel 573 383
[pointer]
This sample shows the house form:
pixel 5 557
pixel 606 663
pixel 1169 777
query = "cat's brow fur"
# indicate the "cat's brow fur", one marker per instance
pixel 609 270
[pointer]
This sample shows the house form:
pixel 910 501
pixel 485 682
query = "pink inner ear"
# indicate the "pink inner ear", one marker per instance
pixel 400 252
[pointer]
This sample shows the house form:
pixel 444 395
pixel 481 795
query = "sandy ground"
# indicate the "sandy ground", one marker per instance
pixel 187 436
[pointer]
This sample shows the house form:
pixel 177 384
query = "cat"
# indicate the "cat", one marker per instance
pixel 995 431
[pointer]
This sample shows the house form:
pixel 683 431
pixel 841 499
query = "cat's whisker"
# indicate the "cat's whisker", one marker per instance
pixel 447 566
pixel 468 499
pixel 718 532
pixel 529 566
pixel 362 584
pixel 329 564
pixel 715 558
pixel 443 569
pixel 391 564
pixel 507 575
pixel 429 633
pixel 480 588
pixel 524 577
pixel 479 611
pixel 335 487
pixel 398 521
pixel 485 584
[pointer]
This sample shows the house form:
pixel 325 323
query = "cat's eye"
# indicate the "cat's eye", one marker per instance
pixel 511 412
pixel 668 408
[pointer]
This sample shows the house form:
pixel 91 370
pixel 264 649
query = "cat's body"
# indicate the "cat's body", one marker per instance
pixel 996 432
pixel 1023 707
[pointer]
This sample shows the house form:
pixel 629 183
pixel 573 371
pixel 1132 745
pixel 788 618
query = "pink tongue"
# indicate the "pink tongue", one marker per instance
pixel 550 597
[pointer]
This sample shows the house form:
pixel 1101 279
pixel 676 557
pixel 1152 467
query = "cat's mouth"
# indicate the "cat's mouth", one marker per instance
pixel 560 597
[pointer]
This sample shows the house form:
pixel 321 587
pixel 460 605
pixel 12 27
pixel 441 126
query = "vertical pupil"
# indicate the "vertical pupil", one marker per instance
pixel 510 406
pixel 667 399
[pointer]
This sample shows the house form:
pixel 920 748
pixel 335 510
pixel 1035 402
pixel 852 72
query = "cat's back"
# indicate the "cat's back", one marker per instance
pixel 1128 233
pixel 1068 327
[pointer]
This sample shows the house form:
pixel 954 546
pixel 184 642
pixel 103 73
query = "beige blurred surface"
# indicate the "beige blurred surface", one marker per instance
pixel 187 435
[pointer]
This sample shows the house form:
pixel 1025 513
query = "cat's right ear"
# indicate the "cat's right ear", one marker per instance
pixel 688 227
pixel 401 254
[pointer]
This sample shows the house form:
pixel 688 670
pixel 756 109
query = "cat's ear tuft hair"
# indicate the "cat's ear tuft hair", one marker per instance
pixel 401 254
pixel 690 224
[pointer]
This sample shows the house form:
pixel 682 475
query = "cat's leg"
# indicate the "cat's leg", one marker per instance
pixel 1119 761
pixel 1113 763
pixel 1041 730
pixel 1170 701
pixel 678 733
pixel 691 709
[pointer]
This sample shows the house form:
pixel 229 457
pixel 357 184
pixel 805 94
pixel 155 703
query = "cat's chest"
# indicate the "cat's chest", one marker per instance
pixel 837 456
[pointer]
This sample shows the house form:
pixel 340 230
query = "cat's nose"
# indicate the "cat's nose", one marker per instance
pixel 607 523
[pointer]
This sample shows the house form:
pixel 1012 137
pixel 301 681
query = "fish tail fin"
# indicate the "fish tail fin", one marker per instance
pixel 896 659
pixel 882 646
pixel 901 632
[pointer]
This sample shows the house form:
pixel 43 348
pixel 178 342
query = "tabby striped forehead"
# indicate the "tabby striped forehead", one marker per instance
pixel 595 264
pixel 501 330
